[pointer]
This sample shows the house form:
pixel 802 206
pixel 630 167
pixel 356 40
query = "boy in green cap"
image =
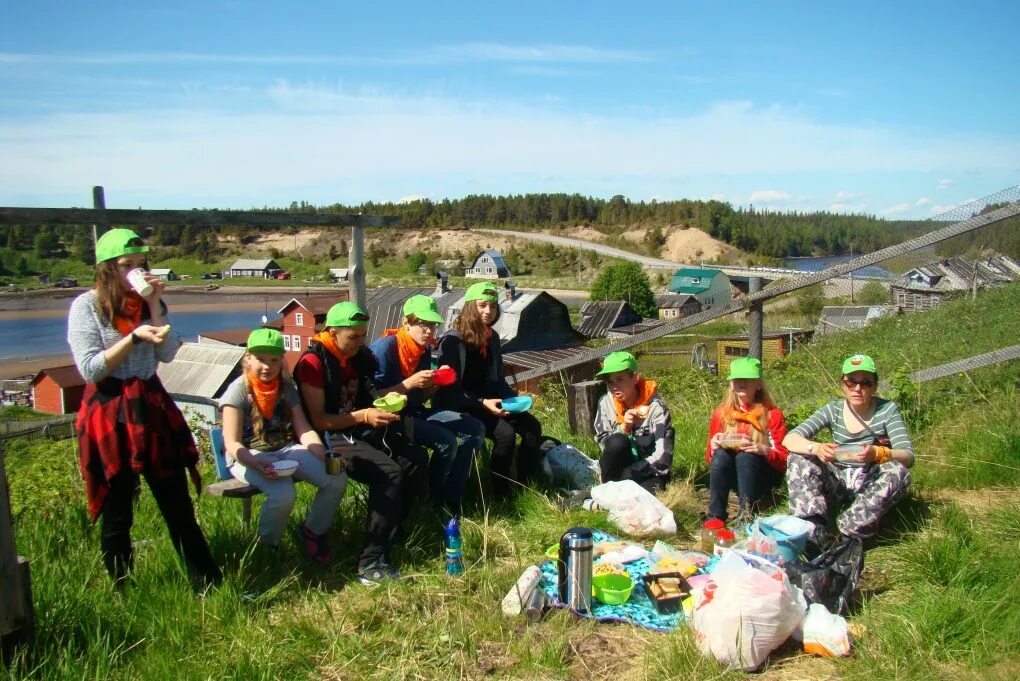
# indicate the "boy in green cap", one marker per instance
pixel 865 465
pixel 335 379
pixel 633 426
pixel 472 349
pixel 263 425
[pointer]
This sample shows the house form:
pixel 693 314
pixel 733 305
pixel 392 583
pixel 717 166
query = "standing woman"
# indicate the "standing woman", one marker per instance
pixel 745 442
pixel 472 349
pixel 128 426
pixel 405 367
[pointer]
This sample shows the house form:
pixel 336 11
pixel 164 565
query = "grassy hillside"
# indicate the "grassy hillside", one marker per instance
pixel 940 597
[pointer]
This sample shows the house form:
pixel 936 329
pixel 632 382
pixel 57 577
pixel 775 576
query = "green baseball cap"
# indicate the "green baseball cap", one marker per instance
pixel 744 367
pixel 346 314
pixel 859 363
pixel 483 290
pixel 118 242
pixel 269 341
pixel 424 308
pixel 618 361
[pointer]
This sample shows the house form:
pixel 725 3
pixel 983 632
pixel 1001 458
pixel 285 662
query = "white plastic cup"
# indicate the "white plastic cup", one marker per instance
pixel 136 278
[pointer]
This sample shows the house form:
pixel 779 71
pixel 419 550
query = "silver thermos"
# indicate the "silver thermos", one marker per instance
pixel 574 568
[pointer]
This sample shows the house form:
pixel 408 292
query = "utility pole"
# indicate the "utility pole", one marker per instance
pixel 851 273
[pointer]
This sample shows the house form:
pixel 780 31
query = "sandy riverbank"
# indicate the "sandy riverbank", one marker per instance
pixel 16 367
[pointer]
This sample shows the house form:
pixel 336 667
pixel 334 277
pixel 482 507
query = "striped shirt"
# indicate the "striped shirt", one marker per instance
pixel 89 336
pixel 887 422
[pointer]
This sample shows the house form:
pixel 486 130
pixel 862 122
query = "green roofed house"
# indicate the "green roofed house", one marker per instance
pixel 710 287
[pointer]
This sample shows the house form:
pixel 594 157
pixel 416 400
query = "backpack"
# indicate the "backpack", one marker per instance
pixel 567 467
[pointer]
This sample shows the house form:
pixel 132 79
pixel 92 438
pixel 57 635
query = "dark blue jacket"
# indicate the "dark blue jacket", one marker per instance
pixel 388 372
pixel 464 395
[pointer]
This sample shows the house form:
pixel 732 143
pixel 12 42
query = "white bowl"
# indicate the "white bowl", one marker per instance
pixel 285 468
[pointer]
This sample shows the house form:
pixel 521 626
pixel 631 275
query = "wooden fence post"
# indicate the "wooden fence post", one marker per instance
pixel 16 615
pixel 582 406
pixel 99 203
pixel 755 322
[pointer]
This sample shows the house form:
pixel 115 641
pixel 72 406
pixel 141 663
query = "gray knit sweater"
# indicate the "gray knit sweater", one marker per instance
pixel 89 335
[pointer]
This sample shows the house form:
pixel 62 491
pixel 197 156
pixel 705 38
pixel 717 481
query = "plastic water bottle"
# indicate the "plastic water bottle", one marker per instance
pixel 454 557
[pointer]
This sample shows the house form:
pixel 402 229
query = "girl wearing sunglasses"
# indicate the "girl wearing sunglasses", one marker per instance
pixel 865 465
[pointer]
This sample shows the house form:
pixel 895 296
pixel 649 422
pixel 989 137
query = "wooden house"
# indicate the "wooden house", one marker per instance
pixel 928 286
pixel 837 318
pixel 488 265
pixel 302 318
pixel 247 267
pixel 163 273
pixel 339 275
pixel 598 317
pixel 58 390
pixel 674 306
pixel 710 287
pixel 774 344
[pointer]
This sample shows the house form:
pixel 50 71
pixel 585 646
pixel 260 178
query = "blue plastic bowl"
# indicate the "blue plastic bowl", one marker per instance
pixel 516 405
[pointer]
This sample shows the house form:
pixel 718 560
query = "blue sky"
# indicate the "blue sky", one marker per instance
pixel 901 111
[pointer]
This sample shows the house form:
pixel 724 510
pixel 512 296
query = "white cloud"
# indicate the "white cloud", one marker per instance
pixel 844 196
pixel 848 208
pixel 898 208
pixel 945 184
pixel 767 196
pixel 411 198
pixel 923 201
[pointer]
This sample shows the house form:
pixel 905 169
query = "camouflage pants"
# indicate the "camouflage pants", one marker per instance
pixel 870 490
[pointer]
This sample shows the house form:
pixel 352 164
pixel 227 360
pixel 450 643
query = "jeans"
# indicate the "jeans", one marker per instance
pixel 280 493
pixel 454 439
pixel 618 463
pixel 171 494
pixel 503 431
pixel 749 474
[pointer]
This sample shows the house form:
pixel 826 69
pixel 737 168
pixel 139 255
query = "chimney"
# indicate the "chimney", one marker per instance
pixel 442 283
pixel 511 289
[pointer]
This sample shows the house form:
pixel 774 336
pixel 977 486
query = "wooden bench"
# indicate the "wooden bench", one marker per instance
pixel 226 484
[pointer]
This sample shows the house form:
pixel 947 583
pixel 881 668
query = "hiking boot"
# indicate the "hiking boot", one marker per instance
pixel 316 545
pixel 378 572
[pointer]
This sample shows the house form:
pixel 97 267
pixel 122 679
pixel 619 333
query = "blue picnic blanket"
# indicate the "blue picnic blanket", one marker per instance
pixel 637 610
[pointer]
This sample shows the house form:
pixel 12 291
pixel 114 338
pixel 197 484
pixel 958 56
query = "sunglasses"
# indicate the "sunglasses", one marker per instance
pixel 850 383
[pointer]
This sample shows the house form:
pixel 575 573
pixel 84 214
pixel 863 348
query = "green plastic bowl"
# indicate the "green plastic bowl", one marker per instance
pixel 391 403
pixel 553 552
pixel 612 589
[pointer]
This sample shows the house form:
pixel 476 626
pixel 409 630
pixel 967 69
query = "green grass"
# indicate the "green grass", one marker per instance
pixel 940 597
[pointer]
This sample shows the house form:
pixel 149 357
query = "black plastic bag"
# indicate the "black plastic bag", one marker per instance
pixel 831 578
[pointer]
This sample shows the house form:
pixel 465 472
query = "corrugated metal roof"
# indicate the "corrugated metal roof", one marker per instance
pixel 534 359
pixel 200 370
pixel 669 301
pixel 597 317
pixel 959 274
pixel 66 376
pixel 385 307
pixel 237 336
pixel 251 264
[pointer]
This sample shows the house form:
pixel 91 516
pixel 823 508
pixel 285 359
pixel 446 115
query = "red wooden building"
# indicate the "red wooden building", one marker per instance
pixel 58 390
pixel 301 319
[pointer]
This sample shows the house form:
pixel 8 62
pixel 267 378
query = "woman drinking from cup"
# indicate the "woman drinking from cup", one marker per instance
pixel 264 429
pixel 865 465
pixel 128 425
pixel 745 442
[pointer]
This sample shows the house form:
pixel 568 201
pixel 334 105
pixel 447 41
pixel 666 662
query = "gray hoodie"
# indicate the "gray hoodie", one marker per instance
pixel 652 438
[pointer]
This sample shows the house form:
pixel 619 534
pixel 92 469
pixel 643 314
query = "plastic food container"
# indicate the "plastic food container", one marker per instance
pixel 612 589
pixel 285 468
pixel 724 541
pixel 666 601
pixel 708 531
pixel 516 405
pixel 732 443
pixel 444 376
pixel 391 403
pixel 847 452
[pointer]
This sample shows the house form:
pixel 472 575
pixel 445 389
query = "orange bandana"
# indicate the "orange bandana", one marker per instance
pixel 754 417
pixel 645 392
pixel 483 349
pixel 326 340
pixel 408 351
pixel 264 393
pixel 130 315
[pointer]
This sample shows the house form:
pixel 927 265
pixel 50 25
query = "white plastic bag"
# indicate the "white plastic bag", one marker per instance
pixel 634 509
pixel 567 467
pixel 825 634
pixel 743 613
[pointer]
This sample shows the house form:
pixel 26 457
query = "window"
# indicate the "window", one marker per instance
pixel 917 301
pixel 934 302
pixel 299 319
pixel 309 341
pixel 286 342
pixel 488 270
pixel 296 343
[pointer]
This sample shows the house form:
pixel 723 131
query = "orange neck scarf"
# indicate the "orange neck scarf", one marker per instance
pixel 264 394
pixel 326 340
pixel 645 392
pixel 754 417
pixel 483 349
pixel 408 351
pixel 129 317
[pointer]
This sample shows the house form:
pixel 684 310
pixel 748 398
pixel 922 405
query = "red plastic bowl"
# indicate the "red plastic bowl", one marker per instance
pixel 444 376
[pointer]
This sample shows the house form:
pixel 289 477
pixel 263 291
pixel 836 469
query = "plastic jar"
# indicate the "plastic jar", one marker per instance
pixel 708 533
pixel 724 541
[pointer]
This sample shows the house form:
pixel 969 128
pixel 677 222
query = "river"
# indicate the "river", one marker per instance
pixel 819 264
